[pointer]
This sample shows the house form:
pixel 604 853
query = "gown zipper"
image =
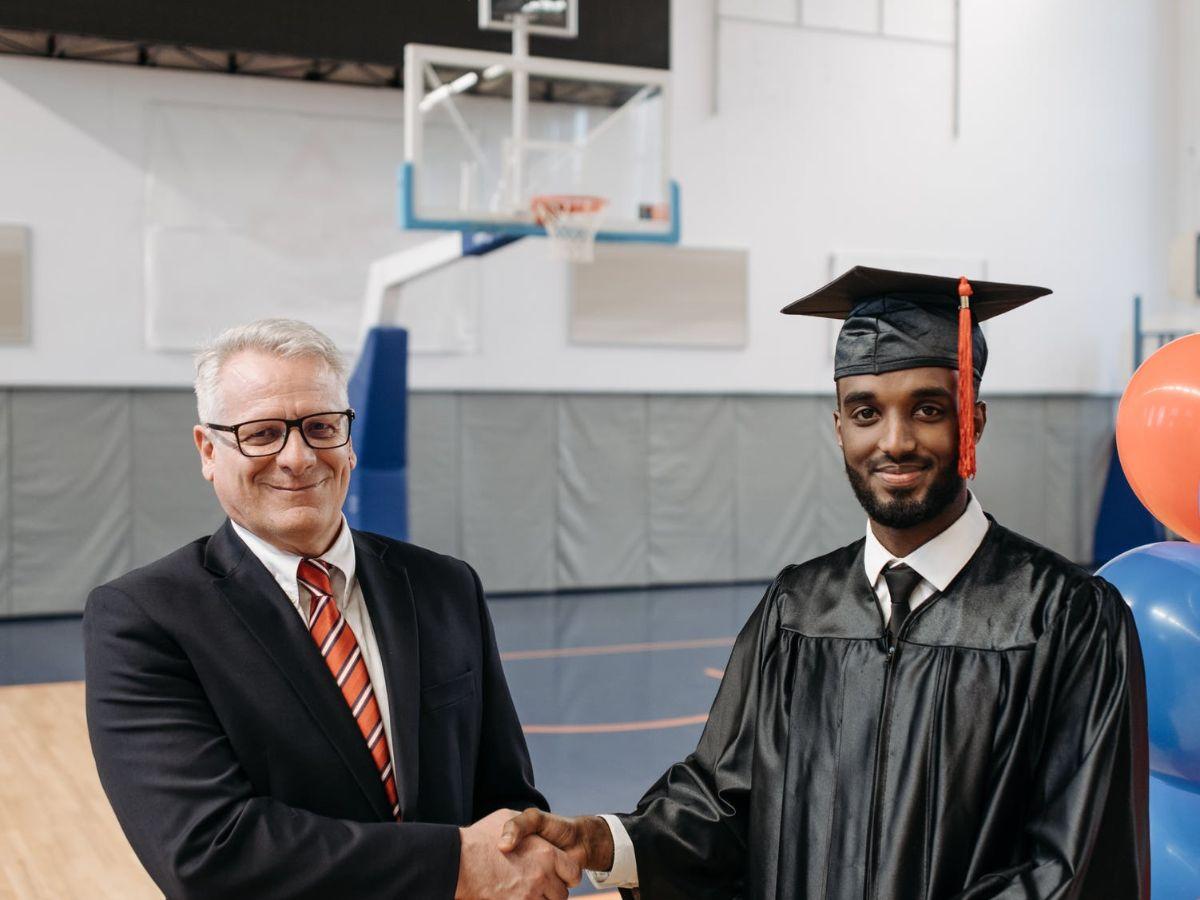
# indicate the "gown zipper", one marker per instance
pixel 880 772
pixel 885 726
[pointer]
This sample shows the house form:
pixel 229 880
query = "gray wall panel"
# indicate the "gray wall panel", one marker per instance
pixel 434 505
pixel 71 508
pixel 1042 464
pixel 1011 483
pixel 1079 443
pixel 1063 474
pixel 508 484
pixel 842 519
pixel 6 522
pixel 537 491
pixel 1097 435
pixel 693 488
pixel 603 522
pixel 172 502
pixel 778 481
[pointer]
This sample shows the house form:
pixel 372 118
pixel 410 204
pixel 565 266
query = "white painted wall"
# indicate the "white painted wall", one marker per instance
pixel 75 149
pixel 825 141
pixel 1188 109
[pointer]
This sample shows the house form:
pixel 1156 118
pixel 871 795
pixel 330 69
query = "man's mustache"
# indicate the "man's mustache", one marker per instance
pixel 889 462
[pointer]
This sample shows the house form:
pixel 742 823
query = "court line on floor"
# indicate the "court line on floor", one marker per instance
pixel 607 649
pixel 617 727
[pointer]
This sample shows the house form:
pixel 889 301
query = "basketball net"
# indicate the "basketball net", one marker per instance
pixel 571 222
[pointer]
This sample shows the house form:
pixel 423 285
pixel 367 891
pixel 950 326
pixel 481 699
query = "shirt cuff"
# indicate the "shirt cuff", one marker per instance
pixel 623 873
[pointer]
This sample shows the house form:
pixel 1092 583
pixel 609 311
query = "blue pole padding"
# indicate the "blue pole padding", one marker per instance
pixel 378 496
pixel 1122 522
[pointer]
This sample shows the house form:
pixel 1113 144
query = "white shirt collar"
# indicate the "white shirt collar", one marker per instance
pixel 283 565
pixel 939 559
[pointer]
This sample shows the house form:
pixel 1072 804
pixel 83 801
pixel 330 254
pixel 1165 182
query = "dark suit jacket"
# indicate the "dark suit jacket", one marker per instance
pixel 231 759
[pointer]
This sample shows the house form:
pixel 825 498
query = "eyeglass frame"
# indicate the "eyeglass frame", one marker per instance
pixel 288 425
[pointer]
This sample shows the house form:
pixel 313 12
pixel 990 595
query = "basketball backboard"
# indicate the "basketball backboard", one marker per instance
pixel 485 133
pixel 549 18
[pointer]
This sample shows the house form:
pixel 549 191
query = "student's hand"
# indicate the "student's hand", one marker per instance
pixel 587 840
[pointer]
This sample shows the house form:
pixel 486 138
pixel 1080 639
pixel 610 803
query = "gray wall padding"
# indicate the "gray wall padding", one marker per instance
pixel 434 497
pixel 793 499
pixel 603 496
pixel 604 490
pixel 776 482
pixel 509 478
pixel 537 491
pixel 93 483
pixel 70 470
pixel 1042 462
pixel 693 456
pixel 172 502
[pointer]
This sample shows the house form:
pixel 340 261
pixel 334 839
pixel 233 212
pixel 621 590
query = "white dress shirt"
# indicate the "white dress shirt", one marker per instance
pixel 937 561
pixel 347 594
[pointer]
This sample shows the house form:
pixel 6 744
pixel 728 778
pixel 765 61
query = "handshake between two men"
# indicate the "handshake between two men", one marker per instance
pixel 939 670
pixel 530 856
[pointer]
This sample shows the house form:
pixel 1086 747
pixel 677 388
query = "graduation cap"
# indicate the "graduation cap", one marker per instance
pixel 906 320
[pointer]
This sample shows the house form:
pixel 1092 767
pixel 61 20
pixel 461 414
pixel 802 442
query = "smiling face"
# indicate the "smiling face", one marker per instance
pixel 899 438
pixel 292 500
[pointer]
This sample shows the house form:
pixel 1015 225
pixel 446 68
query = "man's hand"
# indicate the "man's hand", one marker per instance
pixel 535 871
pixel 587 840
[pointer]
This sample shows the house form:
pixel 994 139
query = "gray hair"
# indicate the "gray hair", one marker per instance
pixel 283 338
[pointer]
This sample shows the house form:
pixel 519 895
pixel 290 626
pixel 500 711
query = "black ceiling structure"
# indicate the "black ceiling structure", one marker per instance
pixel 350 41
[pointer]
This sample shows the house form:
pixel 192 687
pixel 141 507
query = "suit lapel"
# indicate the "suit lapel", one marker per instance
pixel 389 600
pixel 258 602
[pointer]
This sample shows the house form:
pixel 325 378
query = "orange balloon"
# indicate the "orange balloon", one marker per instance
pixel 1158 435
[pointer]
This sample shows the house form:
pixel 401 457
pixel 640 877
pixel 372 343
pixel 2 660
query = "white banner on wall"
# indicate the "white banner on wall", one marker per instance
pixel 646 295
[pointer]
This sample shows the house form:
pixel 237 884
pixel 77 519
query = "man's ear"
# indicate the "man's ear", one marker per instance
pixel 980 419
pixel 353 456
pixel 206 448
pixel 837 426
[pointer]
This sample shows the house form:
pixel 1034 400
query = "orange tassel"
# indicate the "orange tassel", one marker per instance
pixel 966 384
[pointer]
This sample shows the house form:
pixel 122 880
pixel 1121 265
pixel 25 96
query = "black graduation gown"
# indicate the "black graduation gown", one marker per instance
pixel 999 750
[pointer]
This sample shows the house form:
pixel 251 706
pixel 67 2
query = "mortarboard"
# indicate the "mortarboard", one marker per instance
pixel 905 320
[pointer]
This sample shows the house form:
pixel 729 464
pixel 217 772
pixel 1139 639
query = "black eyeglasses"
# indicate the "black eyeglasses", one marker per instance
pixel 266 437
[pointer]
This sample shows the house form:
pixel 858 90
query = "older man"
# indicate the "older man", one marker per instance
pixel 290 708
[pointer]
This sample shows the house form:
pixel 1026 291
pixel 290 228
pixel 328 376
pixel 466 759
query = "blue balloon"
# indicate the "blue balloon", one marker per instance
pixel 1174 843
pixel 1161 583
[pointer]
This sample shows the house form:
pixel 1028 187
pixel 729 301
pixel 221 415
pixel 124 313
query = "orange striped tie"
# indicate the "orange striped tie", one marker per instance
pixel 337 644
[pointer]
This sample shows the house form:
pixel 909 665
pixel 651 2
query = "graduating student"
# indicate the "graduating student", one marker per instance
pixel 942 709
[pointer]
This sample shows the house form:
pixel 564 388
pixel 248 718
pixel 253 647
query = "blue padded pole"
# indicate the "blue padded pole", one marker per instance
pixel 378 497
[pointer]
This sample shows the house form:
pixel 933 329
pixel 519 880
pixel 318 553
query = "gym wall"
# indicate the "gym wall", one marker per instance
pixel 537 491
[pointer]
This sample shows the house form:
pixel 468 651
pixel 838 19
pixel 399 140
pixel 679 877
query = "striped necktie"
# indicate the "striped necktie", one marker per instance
pixel 341 652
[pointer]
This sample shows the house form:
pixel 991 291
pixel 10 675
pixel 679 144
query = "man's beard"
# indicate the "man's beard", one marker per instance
pixel 907 512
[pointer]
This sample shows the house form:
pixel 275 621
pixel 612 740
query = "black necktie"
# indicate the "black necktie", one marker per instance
pixel 900 581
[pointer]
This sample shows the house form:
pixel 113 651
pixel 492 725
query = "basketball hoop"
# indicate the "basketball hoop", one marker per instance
pixel 571 222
